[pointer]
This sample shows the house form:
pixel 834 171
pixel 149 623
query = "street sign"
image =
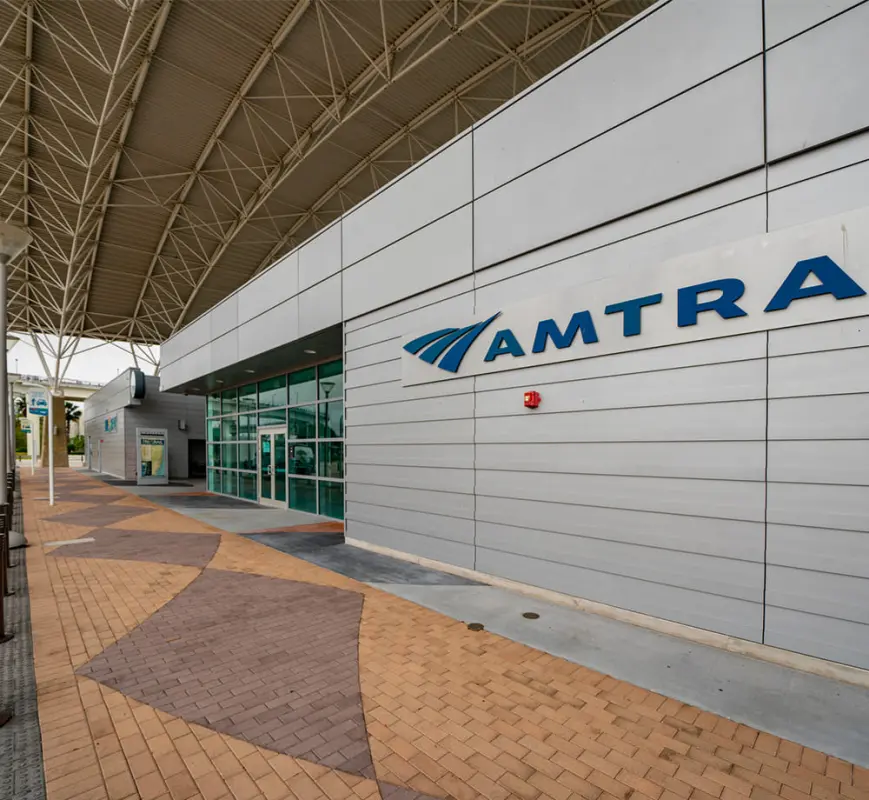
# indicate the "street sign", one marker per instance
pixel 25 425
pixel 37 403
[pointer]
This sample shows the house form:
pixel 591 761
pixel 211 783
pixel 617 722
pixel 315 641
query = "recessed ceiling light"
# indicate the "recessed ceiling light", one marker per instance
pixel 218 381
pixel 311 352
pixel 250 371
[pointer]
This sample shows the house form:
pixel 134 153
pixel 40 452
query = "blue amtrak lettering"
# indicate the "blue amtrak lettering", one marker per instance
pixel 447 347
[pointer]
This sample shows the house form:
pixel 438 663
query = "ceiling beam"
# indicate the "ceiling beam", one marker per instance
pixel 333 117
pixel 290 22
pixel 531 46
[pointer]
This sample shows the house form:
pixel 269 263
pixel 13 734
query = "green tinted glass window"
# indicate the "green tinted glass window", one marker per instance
pixel 229 456
pixel 213 455
pixel 214 482
pixel 229 401
pixel 247 456
pixel 301 458
pixel 273 392
pixel 230 483
pixel 214 405
pixel 229 429
pixel 246 427
pixel 247 486
pixel 214 430
pixel 273 417
pixel 302 422
pixel 303 386
pixel 303 495
pixel 331 380
pixel 247 398
pixel 331 459
pixel 332 499
pixel 332 420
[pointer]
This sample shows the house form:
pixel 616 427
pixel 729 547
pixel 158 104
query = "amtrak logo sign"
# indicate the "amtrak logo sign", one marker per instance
pixel 815 273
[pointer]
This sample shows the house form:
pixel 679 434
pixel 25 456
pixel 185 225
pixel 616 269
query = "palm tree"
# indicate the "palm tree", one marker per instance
pixel 73 414
pixel 20 406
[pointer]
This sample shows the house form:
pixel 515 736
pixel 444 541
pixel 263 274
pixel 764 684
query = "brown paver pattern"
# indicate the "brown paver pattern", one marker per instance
pixel 449 713
pixel 269 661
pixel 151 546
pixel 98 516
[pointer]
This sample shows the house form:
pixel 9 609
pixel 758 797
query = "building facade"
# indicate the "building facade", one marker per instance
pixel 112 415
pixel 666 241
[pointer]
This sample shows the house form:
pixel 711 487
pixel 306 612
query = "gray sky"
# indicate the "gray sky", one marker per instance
pixel 97 365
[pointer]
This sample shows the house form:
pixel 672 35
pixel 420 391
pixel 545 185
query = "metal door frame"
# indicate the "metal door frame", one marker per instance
pixel 271 431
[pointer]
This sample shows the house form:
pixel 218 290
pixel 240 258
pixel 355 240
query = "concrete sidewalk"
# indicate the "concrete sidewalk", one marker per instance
pixel 174 660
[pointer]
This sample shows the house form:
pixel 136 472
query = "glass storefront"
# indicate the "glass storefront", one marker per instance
pixel 310 405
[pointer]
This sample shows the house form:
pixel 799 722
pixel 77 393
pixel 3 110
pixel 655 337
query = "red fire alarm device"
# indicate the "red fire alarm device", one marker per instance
pixel 532 399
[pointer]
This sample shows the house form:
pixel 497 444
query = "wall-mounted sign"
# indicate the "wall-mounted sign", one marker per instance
pixel 152 456
pixel 37 403
pixel 111 424
pixel 812 273
pixel 24 425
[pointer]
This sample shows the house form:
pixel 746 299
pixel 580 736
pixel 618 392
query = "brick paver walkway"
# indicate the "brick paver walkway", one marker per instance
pixel 164 675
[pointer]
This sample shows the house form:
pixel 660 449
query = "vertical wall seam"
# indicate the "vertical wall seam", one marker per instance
pixel 765 492
pixel 474 309
pixel 765 115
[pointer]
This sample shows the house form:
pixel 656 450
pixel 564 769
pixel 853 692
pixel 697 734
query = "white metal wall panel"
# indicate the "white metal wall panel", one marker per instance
pixel 457 553
pixel 835 335
pixel 819 161
pixel 818 491
pixel 436 479
pixel 787 18
pixel 714 383
pixel 320 306
pixel 741 500
pixel 637 242
pixel 424 455
pixel 429 191
pixel 223 317
pixel 829 194
pixel 450 529
pixel 816 84
pixel 195 335
pixel 675 47
pixel 714 422
pixel 708 134
pixel 825 637
pixel 270 329
pixel 735 617
pixel 444 504
pixel 712 460
pixel 224 350
pixel 409 455
pixel 276 285
pixel 844 416
pixel 436 254
pixel 320 257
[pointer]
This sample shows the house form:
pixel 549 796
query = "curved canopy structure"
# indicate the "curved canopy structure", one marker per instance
pixel 161 152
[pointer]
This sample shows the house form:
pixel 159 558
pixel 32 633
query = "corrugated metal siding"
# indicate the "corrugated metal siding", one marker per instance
pixel 158 410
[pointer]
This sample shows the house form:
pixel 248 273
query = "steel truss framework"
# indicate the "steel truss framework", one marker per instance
pixel 161 152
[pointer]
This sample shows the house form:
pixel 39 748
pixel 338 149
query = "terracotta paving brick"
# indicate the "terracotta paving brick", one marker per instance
pixel 265 676
pixel 152 546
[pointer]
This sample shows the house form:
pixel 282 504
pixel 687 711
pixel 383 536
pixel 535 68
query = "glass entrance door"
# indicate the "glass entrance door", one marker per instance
pixel 272 466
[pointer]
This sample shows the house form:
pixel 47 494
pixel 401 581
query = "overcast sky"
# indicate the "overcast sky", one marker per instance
pixel 98 365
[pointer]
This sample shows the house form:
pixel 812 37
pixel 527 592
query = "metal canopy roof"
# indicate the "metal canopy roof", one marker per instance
pixel 162 152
